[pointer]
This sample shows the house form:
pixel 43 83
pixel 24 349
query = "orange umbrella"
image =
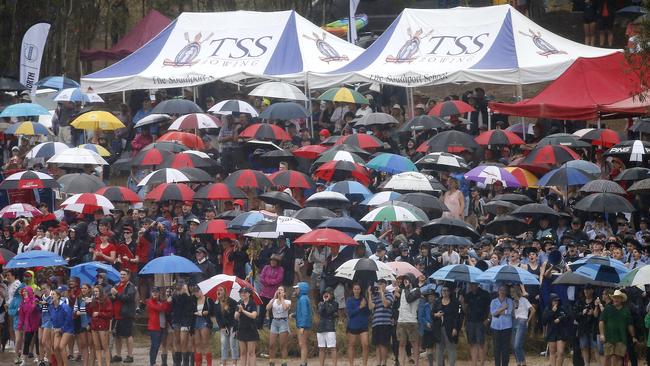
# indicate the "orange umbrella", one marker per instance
pixel 523 176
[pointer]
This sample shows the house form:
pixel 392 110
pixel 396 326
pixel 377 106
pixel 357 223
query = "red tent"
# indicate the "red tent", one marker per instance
pixel 580 92
pixel 629 106
pixel 147 28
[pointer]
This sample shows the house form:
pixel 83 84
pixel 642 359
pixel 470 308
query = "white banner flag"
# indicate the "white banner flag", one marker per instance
pixel 352 23
pixel 31 54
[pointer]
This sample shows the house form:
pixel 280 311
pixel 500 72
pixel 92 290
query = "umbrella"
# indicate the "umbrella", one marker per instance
pixel 391 164
pixel 35 258
pixel 375 119
pixel 292 179
pixel 403 268
pixel 354 191
pixel 176 106
pixel 345 95
pixel 602 137
pixel 449 226
pixel 230 284
pixel 598 260
pixel 498 137
pixel 188 139
pixel 449 141
pixel 411 182
pixel 423 123
pixel 424 201
pixel 24 110
pixel 152 156
pixel 313 216
pixel 230 106
pixel 518 128
pixel 535 211
pixel 27 128
pixel 118 194
pixel 56 82
pixel 265 131
pixel 517 199
pixel 169 264
pixel 631 11
pixel 348 148
pixel 584 165
pixel 170 192
pixel 274 157
pixel 603 186
pixel 461 273
pixel 189 160
pixel 508 274
pixel 80 183
pixel 325 237
pixel 523 176
pixel 637 277
pixel 381 198
pixel 339 156
pixel 195 121
pixel 19 210
pixel 498 207
pixel 170 146
pixel 11 84
pixel 641 126
pixel 365 270
pixel 98 149
pixel 413 209
pixel 46 150
pixel 601 272
pixel 507 224
pixel 605 203
pixel 87 203
pixel 29 179
pixel 218 228
pixel 5 254
pixel 550 154
pixel 361 140
pixel 327 199
pixel 166 175
pixel 340 170
pixel 77 156
pixel 442 162
pixel 97 120
pixel 310 151
pixel 219 192
pixel 563 139
pixel 632 150
pixel 281 199
pixel 87 272
pixel 489 174
pixel 392 213
pixel 246 220
pixel 345 224
pixel 152 119
pixel 284 111
pixel 633 174
pixel 248 178
pixel 76 95
pixel 564 177
pixel 278 90
pixel 451 240
pixel 279 226
pixel 642 186
pixel 576 279
pixel 450 108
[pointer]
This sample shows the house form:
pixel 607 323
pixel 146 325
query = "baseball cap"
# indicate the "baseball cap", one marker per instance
pixel 419 106
pixel 397 106
pixel 324 132
pixel 238 202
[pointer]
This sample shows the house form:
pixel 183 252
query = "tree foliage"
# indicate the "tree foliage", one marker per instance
pixel 638 54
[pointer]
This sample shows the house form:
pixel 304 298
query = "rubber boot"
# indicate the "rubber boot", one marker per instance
pixel 163 357
pixel 192 358
pixel 430 358
pixel 52 360
pixel 186 358
pixel 208 359
pixel 198 359
pixel 177 358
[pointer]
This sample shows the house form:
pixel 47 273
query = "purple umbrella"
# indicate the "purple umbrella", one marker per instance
pixel 489 174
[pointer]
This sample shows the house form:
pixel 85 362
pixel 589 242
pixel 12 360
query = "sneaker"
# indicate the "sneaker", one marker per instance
pixel 128 359
pixel 116 359
pixel 78 358
pixel 18 360
pixel 70 357
pixel 30 355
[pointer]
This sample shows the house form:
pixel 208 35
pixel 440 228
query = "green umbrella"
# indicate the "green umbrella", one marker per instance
pixel 344 95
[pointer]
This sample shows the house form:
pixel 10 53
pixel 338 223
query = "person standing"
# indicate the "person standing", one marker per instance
pixel 279 307
pixel 477 310
pixel 587 312
pixel 82 324
pixel 202 327
pixel 501 309
pixel 183 307
pixel 29 319
pixel 407 320
pixel 123 296
pixel 614 326
pixel 381 305
pixel 357 330
pixel 224 313
pixel 247 334
pixel 554 320
pixel 326 331
pixel 303 319
pixel 454 200
pixel 450 314
pixel 523 314
pixel 271 278
pixel 101 313
pixel 61 314
pixel 157 308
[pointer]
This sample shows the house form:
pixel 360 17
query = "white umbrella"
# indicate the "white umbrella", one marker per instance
pixel 227 107
pixel 77 156
pixel 410 181
pixel 279 90
pixel 381 198
pixel 76 95
pixel 271 229
pixel 166 175
pixel 46 150
pixel 152 119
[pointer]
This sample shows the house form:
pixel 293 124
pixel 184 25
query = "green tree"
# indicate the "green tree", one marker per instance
pixel 638 56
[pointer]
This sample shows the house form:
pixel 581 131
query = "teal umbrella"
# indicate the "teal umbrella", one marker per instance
pixel 24 110
pixel 391 164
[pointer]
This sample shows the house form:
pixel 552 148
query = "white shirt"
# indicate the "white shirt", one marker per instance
pixel 453 258
pixel 279 311
pixel 521 311
pixel 408 313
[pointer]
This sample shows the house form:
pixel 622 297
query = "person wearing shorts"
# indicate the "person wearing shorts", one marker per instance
pixel 381 305
pixel 279 306
pixel 407 321
pixel 477 310
pixel 326 330
pixel 614 325
pixel 123 296
pixel 358 314
pixel 606 13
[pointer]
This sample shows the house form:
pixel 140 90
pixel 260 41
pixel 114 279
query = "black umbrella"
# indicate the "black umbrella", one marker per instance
pixel 281 199
pixel 80 183
pixel 365 270
pixel 517 199
pixel 349 148
pixel 274 157
pixel 171 146
pixel 605 203
pixel 451 141
pixel 642 186
pixel 451 240
pixel 603 186
pixel 313 216
pixel 632 150
pixel 506 224
pixel 494 206
pixel 11 84
pixel 345 224
pixel 449 226
pixel 376 119
pixel 431 204
pixel 535 211
pixel 564 139
pixel 633 174
pixel 176 106
pixel 284 111
pixel 197 175
pixel 575 279
pixel 631 11
pixel 423 122
pixel 229 215
pixel 442 162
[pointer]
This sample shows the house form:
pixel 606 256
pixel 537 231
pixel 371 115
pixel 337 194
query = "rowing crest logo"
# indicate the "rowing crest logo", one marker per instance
pixel 545 48
pixel 328 52
pixel 188 54
pixel 409 50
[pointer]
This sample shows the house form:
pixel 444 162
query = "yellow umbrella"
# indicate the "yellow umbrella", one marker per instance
pixel 99 149
pixel 526 178
pixel 97 120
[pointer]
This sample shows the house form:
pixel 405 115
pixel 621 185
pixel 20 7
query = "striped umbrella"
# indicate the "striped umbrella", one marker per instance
pixel 489 174
pixel 57 82
pixel 29 179
pixel 392 213
pixel 391 164
pixel 76 95
pixel 265 131
pixel 457 273
pixel 339 156
pixel 119 194
pixel 340 170
pixel 361 140
pixel 602 137
pixel 195 121
pixel 46 150
pixel 151 157
pixel 523 176
pixel 450 108
pixel 550 154
pixel 228 107
pixel 230 284
pixel 248 178
pixel 602 272
pixel 189 160
pixel 27 128
pixel 292 179
pixel 219 192
pixel 637 277
pixel 310 151
pixel 87 203
pixel 365 270
pixel 246 220
pixel 99 149
pixel 152 119
pixel 344 95
pixel 449 141
pixel 498 137
pixel 171 192
pixel 354 191
pixel 217 228
pixel 170 146
pixel 632 150
pixel 381 198
pixel 188 139
pixel 19 210
pixel 277 227
pixel 442 162
pixel 508 274
pixel 166 175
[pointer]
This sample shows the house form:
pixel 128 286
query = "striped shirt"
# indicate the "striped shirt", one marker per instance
pixel 382 315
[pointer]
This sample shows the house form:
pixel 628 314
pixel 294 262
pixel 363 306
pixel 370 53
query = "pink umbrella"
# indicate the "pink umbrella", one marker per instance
pixel 402 268
pixel 231 284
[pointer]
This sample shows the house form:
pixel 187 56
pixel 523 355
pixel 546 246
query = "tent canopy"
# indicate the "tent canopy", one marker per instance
pixel 199 48
pixel 581 92
pixel 494 44
pixel 635 105
pixel 147 28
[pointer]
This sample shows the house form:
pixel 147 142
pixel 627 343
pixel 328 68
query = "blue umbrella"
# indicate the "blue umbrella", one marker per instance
pixel 36 258
pixel 584 165
pixel 563 177
pixel 346 224
pixel 352 190
pixel 57 82
pixel 244 221
pixel 602 272
pixel 457 273
pixel 508 274
pixel 599 260
pixel 87 272
pixel 24 110
pixel 284 111
pixel 391 164
pixel 170 264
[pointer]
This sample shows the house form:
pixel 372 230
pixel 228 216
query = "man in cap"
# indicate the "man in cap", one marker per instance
pixel 614 326
pixel 207 268
pixel 380 253
pixel 186 214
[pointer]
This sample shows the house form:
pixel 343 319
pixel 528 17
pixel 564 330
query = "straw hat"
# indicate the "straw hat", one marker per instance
pixel 621 294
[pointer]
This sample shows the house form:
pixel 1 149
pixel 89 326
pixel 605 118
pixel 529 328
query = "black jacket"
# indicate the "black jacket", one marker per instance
pixel 226 318
pixel 127 298
pixel 183 308
pixel 452 318
pixel 327 311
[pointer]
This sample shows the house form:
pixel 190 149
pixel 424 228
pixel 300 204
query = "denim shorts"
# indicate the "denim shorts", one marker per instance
pixel 279 325
pixel 200 323
pixel 46 323
pixel 588 341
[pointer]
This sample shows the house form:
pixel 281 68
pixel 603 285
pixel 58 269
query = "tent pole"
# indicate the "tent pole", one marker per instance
pixel 519 93
pixel 123 97
pixel 411 105
pixel 194 94
pixel 308 104
pixel 489 112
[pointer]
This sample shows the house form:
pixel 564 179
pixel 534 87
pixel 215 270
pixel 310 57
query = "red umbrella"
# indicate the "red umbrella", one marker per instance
pixel 340 170
pixel 87 203
pixel 325 237
pixel 188 139
pixel 248 178
pixel 291 179
pixel 265 131
pixel 602 137
pixel 450 108
pixel 171 192
pixel 29 179
pixel 219 192
pixel 153 156
pixel 361 140
pixel 550 154
pixel 310 151
pixel 19 210
pixel 217 228
pixel 119 194
pixel 188 160
pixel 498 137
pixel 195 121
